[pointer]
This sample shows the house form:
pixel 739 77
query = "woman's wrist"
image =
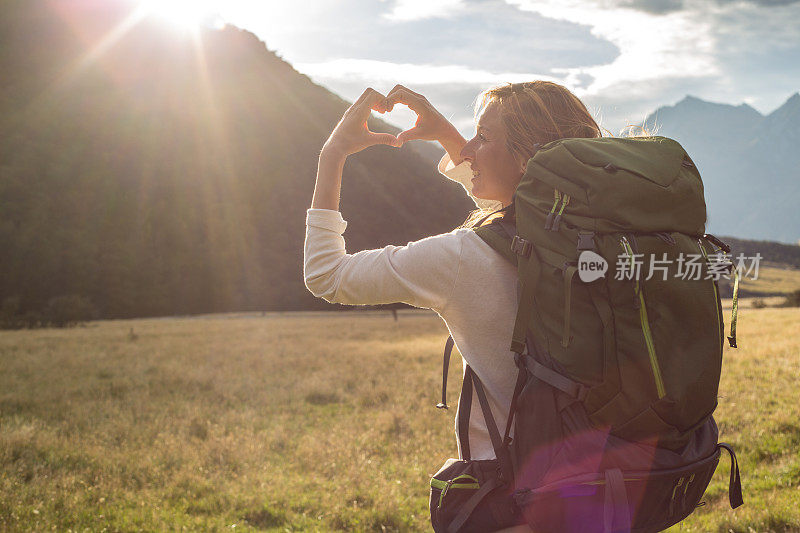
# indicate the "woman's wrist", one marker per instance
pixel 329 178
pixel 453 143
pixel 332 151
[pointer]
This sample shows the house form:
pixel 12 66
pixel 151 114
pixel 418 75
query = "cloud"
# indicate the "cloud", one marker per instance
pixel 729 51
pixel 421 9
pixel 452 89
pixel 764 3
pixel 487 34
pixel 656 7
pixel 624 58
pixel 651 46
pixel 386 72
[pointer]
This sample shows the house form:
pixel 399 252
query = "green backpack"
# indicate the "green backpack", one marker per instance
pixel 618 339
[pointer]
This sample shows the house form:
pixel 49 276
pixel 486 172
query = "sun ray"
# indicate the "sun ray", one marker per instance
pixel 110 39
pixel 183 14
pixel 74 69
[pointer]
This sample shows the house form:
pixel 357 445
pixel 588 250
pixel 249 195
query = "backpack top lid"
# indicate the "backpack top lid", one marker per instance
pixel 642 184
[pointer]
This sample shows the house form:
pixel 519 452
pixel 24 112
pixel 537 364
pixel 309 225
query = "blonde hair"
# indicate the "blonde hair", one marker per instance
pixel 534 113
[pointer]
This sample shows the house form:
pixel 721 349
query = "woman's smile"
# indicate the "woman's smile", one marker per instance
pixel 499 173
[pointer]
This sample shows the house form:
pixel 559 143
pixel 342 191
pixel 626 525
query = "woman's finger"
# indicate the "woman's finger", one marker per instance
pixel 352 135
pixel 368 101
pixel 364 95
pixel 404 96
pixel 399 87
pixel 410 135
pixel 369 94
pixel 385 138
pixel 385 103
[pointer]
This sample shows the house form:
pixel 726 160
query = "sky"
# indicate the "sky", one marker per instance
pixel 623 58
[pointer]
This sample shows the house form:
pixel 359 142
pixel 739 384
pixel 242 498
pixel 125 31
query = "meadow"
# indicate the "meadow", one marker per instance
pixel 306 422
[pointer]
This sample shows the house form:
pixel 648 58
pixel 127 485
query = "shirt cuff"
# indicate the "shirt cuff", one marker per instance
pixel 326 219
pixel 462 174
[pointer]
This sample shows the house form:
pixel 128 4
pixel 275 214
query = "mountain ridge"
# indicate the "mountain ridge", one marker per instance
pixel 744 157
pixel 162 178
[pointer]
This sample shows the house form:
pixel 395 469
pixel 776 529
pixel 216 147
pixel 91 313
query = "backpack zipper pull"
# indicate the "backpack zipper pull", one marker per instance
pixel 549 221
pixel 686 489
pixel 557 219
pixel 734 308
pixel 674 494
pixel 447 486
pixel 626 247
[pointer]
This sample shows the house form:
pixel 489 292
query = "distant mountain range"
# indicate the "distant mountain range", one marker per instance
pixel 750 164
pixel 157 174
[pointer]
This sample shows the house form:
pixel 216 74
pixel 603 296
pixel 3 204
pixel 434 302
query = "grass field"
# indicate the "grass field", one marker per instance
pixel 306 422
pixel 772 279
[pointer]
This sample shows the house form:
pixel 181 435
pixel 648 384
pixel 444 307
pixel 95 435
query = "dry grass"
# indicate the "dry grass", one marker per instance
pixel 759 415
pixel 304 422
pixel 772 279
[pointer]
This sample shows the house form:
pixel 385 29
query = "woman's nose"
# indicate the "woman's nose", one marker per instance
pixel 467 152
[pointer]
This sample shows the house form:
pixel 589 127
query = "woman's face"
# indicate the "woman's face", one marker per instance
pixel 496 171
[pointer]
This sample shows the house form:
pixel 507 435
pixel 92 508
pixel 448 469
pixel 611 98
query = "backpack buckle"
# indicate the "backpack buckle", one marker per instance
pixel 586 241
pixel 583 391
pixel 718 243
pixel 520 246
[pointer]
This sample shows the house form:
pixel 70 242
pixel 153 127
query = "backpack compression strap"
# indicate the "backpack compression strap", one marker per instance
pixel 500 450
pixel 721 246
pixel 448 349
pixel 735 484
pixel 471 381
pixel 470 505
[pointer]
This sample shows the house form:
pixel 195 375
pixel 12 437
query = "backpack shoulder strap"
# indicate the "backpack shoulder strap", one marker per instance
pixel 498 237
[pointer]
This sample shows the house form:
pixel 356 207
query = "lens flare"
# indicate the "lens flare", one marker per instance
pixel 186 14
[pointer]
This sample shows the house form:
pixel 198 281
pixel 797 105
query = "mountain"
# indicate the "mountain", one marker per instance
pixel 749 162
pixel 156 173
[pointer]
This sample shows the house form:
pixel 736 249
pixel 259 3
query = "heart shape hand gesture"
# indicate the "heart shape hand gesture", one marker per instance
pixel 430 124
pixel 352 135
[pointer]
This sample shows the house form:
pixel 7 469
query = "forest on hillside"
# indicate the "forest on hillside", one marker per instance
pixel 158 174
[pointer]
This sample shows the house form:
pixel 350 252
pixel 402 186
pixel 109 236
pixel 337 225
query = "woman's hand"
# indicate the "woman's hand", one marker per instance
pixel 430 125
pixel 351 134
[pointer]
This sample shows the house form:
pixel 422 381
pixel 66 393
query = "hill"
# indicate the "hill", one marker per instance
pixel 159 173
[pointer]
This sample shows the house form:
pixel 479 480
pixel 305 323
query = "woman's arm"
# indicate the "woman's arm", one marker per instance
pixel 329 180
pixel 422 273
pixel 350 135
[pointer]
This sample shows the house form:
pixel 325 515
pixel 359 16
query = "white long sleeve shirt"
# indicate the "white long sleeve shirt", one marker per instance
pixel 456 274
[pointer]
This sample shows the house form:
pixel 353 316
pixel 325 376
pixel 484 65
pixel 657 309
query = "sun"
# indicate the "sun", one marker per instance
pixel 187 14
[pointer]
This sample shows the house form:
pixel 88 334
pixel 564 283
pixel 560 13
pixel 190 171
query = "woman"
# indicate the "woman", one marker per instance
pixel 455 274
